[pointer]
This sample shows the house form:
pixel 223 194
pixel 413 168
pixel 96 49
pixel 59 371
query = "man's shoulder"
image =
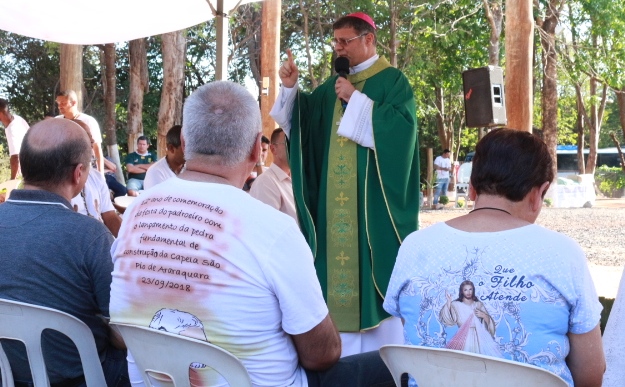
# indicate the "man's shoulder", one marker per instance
pixel 20 121
pixel 64 219
pixel 267 180
pixel 270 174
pixel 390 71
pixel 160 164
pixel 158 173
pixel 86 118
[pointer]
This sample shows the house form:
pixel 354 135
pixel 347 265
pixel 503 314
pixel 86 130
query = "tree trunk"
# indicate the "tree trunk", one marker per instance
pixel 109 85
pixel 138 86
pixel 440 118
pixel 596 118
pixel 620 98
pixel 174 47
pixel 519 43
pixel 550 80
pixel 581 143
pixel 494 14
pixel 71 70
pixel 593 137
pixel 306 33
pixel 393 40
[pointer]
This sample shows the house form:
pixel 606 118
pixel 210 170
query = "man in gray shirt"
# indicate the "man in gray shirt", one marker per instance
pixel 55 257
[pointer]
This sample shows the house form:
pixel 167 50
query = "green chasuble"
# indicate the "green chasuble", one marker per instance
pixel 386 189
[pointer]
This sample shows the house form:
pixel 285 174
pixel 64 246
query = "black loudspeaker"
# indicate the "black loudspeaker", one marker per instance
pixel 484 102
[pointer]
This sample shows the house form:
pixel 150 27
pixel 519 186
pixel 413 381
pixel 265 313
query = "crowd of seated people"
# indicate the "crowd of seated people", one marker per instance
pixel 494 293
pixel 192 256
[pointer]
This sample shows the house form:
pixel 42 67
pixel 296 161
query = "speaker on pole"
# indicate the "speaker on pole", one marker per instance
pixel 484 101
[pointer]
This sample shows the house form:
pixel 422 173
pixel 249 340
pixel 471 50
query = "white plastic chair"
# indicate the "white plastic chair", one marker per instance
pixel 462 184
pixel 441 367
pixel 171 354
pixel 614 375
pixel 5 367
pixel 26 322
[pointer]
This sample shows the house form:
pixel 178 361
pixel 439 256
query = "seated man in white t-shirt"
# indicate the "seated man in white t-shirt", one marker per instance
pixel 193 259
pixel 95 199
pixel 171 164
pixel 15 128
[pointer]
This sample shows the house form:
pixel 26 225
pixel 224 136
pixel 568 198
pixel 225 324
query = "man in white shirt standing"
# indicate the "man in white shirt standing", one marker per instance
pixel 15 128
pixel 66 101
pixel 442 165
pixel 171 164
pixel 274 187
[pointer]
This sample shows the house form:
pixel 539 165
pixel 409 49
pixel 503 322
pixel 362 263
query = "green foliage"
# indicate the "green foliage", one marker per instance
pixel 5 165
pixel 611 181
pixel 435 42
pixel 29 75
pixel 443 199
pixel 548 202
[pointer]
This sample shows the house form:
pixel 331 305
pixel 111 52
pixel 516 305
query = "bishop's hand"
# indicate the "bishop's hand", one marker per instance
pixel 288 71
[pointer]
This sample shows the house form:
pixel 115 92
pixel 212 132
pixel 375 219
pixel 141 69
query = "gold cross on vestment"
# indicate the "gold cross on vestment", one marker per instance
pixel 342 258
pixel 342 199
pixel 341 140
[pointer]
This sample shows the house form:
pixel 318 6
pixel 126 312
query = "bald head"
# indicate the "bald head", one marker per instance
pixel 51 150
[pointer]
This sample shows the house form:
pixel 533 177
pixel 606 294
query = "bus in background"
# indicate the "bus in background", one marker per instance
pixel 567 158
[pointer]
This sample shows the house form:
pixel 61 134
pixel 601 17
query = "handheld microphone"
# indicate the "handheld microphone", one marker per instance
pixel 341 66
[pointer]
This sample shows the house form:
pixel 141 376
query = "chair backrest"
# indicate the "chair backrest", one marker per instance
pixel 172 354
pixel 433 367
pixel 26 322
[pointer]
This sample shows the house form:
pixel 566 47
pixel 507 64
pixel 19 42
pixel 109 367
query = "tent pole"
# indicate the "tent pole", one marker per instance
pixel 221 23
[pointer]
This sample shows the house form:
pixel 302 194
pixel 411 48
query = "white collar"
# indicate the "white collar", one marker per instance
pixel 364 65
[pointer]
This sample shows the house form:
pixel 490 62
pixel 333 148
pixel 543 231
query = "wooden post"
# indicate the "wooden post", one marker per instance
pixel 430 175
pixel 269 63
pixel 71 70
pixel 519 40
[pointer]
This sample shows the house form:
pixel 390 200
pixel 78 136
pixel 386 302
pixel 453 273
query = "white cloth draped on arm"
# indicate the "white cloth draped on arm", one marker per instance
pixel 282 109
pixel 357 123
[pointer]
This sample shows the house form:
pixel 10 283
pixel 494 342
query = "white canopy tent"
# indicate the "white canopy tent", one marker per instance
pixel 98 22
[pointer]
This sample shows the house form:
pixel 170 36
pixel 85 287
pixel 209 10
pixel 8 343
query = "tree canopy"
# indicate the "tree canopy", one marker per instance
pixel 431 41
